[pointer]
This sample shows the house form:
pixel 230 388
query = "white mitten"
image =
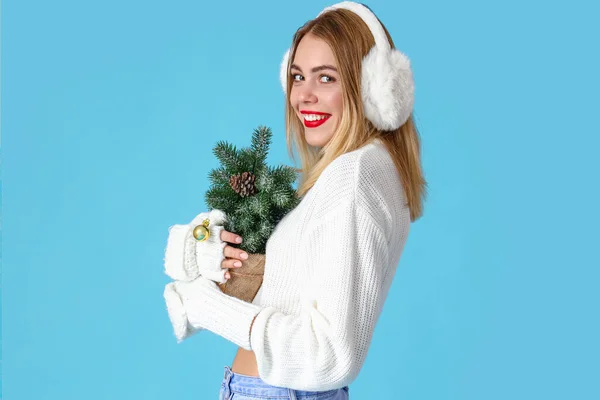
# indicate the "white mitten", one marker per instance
pixel 186 258
pixel 177 314
pixel 186 305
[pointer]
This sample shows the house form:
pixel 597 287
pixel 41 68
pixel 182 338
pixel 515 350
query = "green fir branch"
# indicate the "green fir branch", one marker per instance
pixel 219 176
pixel 227 154
pixel 261 140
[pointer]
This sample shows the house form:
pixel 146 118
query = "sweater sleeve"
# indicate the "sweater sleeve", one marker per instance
pixel 325 346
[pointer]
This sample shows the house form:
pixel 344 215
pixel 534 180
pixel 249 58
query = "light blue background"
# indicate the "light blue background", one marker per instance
pixel 110 113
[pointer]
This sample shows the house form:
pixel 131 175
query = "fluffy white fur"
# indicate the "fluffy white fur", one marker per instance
pixel 386 81
pixel 283 71
pixel 186 258
pixel 387 88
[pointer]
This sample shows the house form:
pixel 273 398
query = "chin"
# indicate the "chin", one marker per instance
pixel 316 140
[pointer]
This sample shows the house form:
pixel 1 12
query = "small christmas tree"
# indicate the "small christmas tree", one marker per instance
pixel 255 197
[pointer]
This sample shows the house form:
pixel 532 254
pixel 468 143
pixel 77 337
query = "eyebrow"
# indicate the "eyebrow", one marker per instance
pixel 316 69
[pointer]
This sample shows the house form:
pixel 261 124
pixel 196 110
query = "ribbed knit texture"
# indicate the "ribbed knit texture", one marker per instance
pixel 329 266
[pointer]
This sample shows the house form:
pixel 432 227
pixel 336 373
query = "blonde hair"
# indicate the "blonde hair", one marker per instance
pixel 350 40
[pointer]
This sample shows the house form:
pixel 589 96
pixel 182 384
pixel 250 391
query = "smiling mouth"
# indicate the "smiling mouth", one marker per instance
pixel 314 120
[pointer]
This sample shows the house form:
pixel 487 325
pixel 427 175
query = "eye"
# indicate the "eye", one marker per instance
pixel 331 79
pixel 294 76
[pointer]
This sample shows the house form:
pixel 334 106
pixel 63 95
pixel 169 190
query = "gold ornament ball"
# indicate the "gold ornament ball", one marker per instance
pixel 201 232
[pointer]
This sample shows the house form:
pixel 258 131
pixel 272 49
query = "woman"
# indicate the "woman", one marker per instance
pixel 330 261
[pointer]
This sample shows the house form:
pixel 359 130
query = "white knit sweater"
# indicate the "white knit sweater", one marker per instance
pixel 329 265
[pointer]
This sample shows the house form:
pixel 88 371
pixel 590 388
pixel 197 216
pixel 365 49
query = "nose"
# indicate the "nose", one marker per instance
pixel 306 94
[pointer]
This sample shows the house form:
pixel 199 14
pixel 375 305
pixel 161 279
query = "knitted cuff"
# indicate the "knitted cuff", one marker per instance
pixel 210 255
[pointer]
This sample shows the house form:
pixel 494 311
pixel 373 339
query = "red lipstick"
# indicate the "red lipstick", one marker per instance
pixel 314 124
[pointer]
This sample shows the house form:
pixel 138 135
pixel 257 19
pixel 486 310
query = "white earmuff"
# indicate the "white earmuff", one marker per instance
pixel 387 86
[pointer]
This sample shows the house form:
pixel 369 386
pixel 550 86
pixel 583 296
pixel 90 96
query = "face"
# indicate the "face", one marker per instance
pixel 316 94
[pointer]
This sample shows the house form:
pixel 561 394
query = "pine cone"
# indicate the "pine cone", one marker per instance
pixel 243 184
pixel 234 182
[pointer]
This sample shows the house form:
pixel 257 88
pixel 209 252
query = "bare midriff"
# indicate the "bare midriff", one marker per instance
pixel 245 363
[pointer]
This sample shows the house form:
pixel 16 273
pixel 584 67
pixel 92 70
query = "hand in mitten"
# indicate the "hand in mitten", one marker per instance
pixel 200 304
pixel 182 326
pixel 186 258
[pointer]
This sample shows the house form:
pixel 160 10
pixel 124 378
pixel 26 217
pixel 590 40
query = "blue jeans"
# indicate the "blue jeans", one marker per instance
pixel 244 387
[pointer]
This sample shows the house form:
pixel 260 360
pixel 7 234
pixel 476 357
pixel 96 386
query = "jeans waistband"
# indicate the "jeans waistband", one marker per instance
pixel 252 385
pixel 255 386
